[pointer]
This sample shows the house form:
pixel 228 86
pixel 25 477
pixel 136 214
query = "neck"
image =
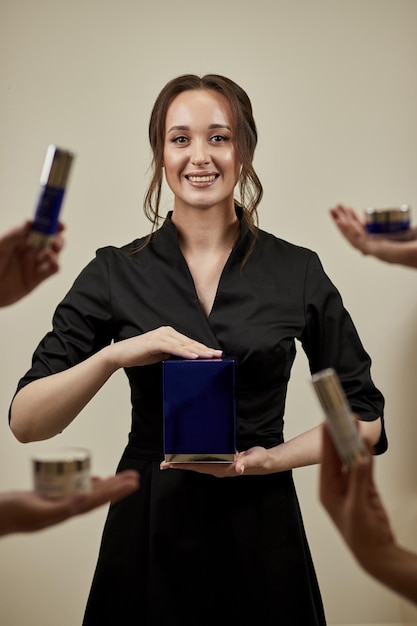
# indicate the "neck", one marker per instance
pixel 206 229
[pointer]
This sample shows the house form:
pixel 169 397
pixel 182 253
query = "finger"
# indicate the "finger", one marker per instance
pixel 57 242
pixel 15 235
pixel 192 344
pixel 332 483
pixel 361 479
pixel 46 269
pixel 240 462
pixel 181 345
pixel 109 490
pixel 330 457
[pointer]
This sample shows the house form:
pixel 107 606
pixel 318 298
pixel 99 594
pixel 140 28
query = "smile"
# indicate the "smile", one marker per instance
pixel 210 178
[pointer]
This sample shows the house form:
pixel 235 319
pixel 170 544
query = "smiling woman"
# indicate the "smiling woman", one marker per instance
pixel 201 162
pixel 237 124
pixel 200 538
pixel 202 169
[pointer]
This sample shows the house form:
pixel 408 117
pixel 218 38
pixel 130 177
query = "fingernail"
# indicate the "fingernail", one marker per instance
pixel 215 352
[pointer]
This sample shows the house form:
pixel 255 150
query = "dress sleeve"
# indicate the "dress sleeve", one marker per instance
pixel 82 324
pixel 330 339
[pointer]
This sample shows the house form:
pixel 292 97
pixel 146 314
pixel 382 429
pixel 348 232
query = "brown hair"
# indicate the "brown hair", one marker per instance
pixel 245 133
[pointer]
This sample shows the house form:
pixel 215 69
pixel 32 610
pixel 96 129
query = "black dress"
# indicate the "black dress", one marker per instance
pixel 188 548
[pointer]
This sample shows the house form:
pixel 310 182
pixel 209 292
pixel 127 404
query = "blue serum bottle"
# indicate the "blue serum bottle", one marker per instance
pixel 53 182
pixel 342 426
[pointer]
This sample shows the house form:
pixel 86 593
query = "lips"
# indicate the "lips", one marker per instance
pixel 201 178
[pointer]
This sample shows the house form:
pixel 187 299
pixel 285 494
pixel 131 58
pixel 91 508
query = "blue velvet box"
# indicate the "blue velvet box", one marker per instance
pixel 199 410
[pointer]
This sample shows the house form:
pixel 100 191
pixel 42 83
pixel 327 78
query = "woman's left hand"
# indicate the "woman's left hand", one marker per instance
pixel 251 461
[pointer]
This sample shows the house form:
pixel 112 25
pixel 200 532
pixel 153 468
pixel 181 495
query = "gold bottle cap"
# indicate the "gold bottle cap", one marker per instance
pixel 56 167
pixel 329 390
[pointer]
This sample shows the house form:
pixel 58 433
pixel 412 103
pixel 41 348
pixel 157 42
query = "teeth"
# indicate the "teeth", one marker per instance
pixel 201 179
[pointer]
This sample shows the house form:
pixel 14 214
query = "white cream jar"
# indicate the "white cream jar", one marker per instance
pixel 61 472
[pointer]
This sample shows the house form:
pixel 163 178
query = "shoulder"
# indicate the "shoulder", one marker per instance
pixel 293 264
pixel 269 243
pixel 126 252
pixel 108 261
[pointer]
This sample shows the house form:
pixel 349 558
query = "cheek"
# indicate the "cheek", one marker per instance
pixel 233 165
pixel 231 161
pixel 173 161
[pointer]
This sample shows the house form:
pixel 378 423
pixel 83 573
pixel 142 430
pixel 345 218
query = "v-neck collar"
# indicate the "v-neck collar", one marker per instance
pixel 165 240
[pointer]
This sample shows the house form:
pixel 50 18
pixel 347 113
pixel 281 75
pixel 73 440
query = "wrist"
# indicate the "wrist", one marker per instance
pixel 110 358
pixel 376 558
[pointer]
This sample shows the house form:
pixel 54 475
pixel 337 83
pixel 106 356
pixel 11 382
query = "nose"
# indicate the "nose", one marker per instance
pixel 200 154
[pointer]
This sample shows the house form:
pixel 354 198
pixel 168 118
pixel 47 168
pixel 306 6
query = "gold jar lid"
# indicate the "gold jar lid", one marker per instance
pixel 388 215
pixel 62 461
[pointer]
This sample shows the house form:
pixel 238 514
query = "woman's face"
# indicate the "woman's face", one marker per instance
pixel 200 158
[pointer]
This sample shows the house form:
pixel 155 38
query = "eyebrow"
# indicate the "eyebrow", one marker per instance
pixel 211 127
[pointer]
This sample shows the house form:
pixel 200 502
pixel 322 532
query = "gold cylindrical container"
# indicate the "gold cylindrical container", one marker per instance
pixel 339 416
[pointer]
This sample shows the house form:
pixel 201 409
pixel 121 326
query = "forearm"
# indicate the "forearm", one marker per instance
pixel 305 449
pixel 394 252
pixel 301 451
pixel 393 566
pixel 48 405
pixel 7 516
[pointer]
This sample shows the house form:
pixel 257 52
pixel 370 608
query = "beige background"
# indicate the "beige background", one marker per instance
pixel 333 86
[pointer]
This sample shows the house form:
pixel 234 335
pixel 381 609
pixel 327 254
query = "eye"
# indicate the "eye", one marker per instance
pixel 180 139
pixel 219 138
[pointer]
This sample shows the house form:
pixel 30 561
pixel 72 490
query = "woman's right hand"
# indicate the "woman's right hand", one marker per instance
pixel 157 345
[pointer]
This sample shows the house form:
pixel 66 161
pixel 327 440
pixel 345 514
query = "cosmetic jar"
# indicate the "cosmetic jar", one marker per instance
pixel 61 472
pixel 388 220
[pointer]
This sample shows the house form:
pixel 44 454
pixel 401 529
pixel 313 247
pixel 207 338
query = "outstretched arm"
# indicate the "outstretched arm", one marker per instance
pixel 351 499
pixel 300 451
pixel 389 250
pixel 27 511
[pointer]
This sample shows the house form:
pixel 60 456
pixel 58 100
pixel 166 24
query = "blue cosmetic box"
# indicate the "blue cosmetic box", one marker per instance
pixel 199 410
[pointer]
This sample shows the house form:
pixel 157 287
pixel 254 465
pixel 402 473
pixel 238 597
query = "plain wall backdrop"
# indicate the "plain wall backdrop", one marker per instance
pixel 334 91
